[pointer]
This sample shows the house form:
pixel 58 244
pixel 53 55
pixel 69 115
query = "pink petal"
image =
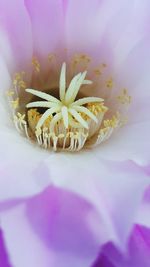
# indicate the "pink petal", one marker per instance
pixel 143 216
pixel 129 143
pixel 5 83
pixel 51 229
pixel 86 35
pixel 133 72
pixel 107 185
pixel 132 141
pixel 107 28
pixel 47 21
pixel 6 55
pixel 22 171
pixel 3 255
pixel 128 28
pixel 137 254
pixel 15 23
pixel 108 32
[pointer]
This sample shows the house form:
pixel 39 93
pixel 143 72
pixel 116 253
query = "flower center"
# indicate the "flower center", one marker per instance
pixel 69 121
pixel 66 122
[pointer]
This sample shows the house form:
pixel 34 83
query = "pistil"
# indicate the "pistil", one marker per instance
pixel 66 118
pixel 66 107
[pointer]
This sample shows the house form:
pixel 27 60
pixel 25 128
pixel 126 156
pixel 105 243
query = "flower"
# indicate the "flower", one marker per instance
pixel 44 194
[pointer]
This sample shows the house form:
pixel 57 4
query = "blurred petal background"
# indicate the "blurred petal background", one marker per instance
pixel 86 209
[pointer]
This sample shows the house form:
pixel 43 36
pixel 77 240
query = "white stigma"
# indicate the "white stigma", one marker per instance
pixel 67 108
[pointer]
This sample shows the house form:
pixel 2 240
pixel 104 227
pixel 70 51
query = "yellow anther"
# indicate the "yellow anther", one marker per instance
pixel 17 76
pixel 34 116
pixel 113 122
pixel 51 57
pixel 15 103
pixel 36 64
pixel 70 120
pixel 85 57
pixel 22 84
pixel 18 80
pixel 38 131
pixel 97 72
pixel 10 93
pixel 96 108
pixel 124 97
pixel 21 118
pixel 81 58
pixel 109 83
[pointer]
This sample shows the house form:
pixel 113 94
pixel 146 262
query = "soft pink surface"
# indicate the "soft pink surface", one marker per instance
pixel 106 177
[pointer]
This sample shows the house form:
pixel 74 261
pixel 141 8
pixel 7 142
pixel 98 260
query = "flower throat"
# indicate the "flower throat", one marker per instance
pixel 63 120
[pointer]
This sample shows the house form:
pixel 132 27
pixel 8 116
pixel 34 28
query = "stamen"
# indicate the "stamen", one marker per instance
pixel 124 97
pixel 64 123
pixel 15 103
pixel 21 124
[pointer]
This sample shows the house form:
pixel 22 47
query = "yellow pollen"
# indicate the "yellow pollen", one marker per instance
pixel 97 72
pixel 95 108
pixel 66 122
pixel 80 59
pixel 124 97
pixel 18 80
pixel 10 93
pixel 15 103
pixel 109 83
pixel 113 122
pixel 51 57
pixel 33 118
pixel 36 64
pixel 71 120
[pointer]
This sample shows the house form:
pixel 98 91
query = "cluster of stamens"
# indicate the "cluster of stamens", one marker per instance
pixel 69 122
pixel 65 118
pixel 66 108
